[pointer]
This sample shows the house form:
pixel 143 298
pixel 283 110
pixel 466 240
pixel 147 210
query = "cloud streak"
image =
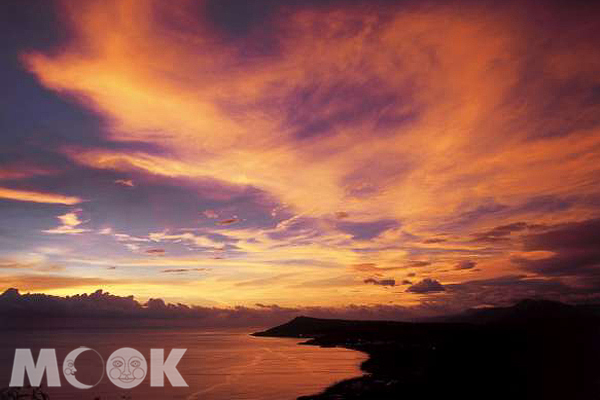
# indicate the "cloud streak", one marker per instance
pixel 37 197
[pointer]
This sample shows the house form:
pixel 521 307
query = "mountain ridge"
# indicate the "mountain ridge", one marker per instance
pixel 526 311
pixel 517 352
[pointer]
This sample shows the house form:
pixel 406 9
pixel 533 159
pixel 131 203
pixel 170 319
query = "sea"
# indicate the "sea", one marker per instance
pixel 219 364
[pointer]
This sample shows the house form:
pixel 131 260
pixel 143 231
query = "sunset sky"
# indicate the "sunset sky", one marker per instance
pixel 226 152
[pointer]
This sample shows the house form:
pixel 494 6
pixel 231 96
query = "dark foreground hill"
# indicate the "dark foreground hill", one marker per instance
pixel 533 350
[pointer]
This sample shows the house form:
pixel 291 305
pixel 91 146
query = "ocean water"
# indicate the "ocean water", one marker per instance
pixel 218 364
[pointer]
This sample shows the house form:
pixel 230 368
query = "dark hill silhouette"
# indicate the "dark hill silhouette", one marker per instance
pixel 526 311
pixel 536 349
pixel 312 327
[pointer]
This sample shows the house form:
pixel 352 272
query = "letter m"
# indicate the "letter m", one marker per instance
pixel 24 364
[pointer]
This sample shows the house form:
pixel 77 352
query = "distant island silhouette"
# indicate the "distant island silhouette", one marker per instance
pixel 536 349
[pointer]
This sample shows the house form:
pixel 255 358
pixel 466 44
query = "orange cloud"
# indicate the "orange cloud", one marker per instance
pixel 48 283
pixel 37 197
pixel 438 118
pixel 69 225
pixel 455 68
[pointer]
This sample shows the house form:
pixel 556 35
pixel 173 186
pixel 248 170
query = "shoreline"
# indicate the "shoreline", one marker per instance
pixel 533 350
pixel 336 389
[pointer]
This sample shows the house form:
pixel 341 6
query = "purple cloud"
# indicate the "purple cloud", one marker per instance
pixel 381 282
pixel 427 285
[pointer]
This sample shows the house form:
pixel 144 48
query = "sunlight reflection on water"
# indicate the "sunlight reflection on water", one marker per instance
pixel 218 364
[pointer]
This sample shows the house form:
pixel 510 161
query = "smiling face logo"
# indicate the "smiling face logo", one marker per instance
pixel 126 368
pixel 70 368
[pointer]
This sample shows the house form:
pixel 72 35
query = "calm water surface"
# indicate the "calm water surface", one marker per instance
pixel 218 365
